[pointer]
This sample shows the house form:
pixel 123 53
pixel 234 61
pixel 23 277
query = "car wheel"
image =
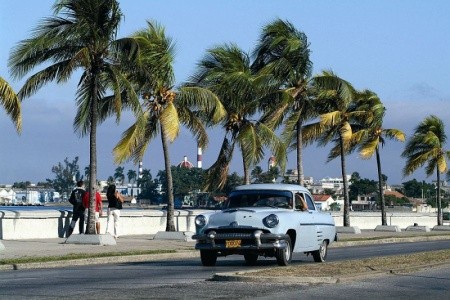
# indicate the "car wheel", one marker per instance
pixel 321 254
pixel 284 256
pixel 208 257
pixel 251 258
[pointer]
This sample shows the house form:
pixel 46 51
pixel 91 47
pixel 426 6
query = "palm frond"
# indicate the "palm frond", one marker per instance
pixel 204 101
pixel 134 140
pixel 194 124
pixel 273 142
pixel 394 134
pixel 170 121
pixel 11 102
pixel 368 148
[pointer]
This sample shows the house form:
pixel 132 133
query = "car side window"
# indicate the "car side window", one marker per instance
pixel 300 203
pixel 310 202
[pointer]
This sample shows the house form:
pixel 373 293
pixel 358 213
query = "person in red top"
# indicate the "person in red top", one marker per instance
pixel 98 208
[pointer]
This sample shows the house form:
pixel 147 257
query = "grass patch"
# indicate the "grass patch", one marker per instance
pixel 359 266
pixel 72 256
pixel 402 236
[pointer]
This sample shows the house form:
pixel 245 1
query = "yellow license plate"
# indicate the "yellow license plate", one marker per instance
pixel 232 243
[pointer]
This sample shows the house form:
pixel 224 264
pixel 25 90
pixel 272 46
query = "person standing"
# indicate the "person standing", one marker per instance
pixel 115 201
pixel 76 199
pixel 98 208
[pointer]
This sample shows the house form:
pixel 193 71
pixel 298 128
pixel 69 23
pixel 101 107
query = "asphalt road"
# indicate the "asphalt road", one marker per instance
pixel 187 279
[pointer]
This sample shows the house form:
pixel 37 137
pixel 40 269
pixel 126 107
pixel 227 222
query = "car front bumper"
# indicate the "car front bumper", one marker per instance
pixel 236 241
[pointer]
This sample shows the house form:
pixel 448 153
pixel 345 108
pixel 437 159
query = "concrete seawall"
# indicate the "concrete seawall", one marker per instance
pixel 37 224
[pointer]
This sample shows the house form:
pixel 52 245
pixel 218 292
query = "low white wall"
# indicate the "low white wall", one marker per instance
pixel 370 220
pixel 36 224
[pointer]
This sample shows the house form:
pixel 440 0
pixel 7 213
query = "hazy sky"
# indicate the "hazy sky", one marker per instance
pixel 398 49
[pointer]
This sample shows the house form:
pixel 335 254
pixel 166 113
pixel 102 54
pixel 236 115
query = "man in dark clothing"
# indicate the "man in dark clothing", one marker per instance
pixel 76 199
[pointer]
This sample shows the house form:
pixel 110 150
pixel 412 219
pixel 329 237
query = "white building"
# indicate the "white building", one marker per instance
pixel 292 175
pixel 323 202
pixel 7 196
pixel 336 183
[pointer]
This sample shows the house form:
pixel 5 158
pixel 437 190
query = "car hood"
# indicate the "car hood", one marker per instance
pixel 242 216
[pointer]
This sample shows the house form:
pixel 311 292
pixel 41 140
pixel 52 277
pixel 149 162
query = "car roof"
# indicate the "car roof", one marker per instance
pixel 272 186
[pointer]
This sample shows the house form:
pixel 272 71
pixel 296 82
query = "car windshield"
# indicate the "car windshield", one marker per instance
pixel 259 198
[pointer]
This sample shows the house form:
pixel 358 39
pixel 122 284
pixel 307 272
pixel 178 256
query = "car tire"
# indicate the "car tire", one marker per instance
pixel 321 254
pixel 284 256
pixel 208 257
pixel 251 258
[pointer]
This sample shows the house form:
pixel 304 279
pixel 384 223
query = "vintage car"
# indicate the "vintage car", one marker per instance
pixel 270 220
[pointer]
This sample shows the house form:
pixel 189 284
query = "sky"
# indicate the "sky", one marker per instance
pixel 398 49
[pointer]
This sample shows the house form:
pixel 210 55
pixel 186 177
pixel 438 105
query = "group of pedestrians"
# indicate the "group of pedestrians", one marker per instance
pixel 79 198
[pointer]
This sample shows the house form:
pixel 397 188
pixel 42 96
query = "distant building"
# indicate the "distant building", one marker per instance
pixel 322 201
pixel 292 176
pixel 185 163
pixel 395 194
pixel 334 183
pixel 271 163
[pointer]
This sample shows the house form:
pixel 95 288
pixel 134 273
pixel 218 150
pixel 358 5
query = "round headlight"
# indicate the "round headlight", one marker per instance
pixel 271 221
pixel 200 220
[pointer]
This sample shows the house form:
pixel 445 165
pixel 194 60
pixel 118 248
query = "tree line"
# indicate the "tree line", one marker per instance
pixel 248 95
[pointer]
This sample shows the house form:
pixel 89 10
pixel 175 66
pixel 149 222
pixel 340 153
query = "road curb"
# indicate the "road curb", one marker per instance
pixel 100 260
pixel 244 277
pixel 387 240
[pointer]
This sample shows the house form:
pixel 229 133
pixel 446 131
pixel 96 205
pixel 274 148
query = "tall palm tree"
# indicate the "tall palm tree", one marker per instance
pixel 10 101
pixel 283 52
pixel 374 136
pixel 426 146
pixel 119 175
pixel 226 71
pixel 81 34
pixel 335 104
pixel 132 175
pixel 164 109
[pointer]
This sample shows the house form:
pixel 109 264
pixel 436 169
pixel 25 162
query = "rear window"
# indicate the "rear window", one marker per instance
pixel 259 198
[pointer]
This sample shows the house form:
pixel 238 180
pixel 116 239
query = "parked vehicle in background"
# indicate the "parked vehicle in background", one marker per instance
pixel 270 220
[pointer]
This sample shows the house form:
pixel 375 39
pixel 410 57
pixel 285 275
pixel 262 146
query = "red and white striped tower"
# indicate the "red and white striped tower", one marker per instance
pixel 199 157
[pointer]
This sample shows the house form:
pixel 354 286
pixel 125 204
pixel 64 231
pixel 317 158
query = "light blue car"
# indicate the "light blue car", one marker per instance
pixel 270 220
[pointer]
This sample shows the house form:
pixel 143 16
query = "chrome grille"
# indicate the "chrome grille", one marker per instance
pixel 234 235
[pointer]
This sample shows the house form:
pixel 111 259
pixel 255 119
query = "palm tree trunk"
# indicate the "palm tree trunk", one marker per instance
pixel 300 175
pixel 170 225
pixel 438 200
pixel 380 188
pixel 90 229
pixel 246 172
pixel 246 167
pixel 344 179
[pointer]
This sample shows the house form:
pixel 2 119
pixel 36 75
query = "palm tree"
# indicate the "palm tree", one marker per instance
pixel 256 174
pixel 132 175
pixel 426 146
pixel 335 104
pixel 118 174
pixel 80 35
pixel 11 103
pixel 374 136
pixel 283 52
pixel 164 109
pixel 226 71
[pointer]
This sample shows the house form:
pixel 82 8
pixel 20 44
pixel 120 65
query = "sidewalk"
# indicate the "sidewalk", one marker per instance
pixel 57 248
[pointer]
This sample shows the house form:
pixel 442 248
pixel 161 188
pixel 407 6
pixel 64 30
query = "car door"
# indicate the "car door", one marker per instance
pixel 307 233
